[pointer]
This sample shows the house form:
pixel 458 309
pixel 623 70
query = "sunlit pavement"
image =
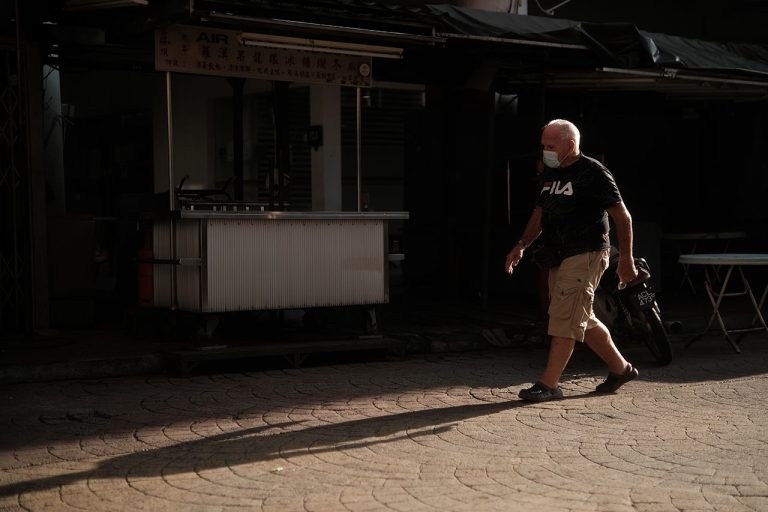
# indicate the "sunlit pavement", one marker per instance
pixel 438 432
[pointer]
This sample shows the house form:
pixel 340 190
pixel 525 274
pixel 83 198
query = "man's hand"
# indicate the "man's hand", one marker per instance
pixel 626 270
pixel 513 258
pixel 623 220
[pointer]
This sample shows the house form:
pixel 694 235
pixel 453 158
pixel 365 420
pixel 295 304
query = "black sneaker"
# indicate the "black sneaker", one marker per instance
pixel 614 381
pixel 540 393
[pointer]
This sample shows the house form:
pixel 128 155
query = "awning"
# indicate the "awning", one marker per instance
pixel 344 19
pixel 551 51
pixel 621 55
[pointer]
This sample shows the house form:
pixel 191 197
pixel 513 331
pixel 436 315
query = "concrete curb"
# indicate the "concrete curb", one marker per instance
pixel 138 364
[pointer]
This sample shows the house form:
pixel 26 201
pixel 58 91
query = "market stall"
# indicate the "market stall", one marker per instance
pixel 237 260
pixel 214 255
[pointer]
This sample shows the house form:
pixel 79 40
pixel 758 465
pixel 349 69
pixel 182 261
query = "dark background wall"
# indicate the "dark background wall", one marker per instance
pixel 683 163
pixel 682 166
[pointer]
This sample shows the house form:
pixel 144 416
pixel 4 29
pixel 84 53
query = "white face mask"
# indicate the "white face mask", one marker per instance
pixel 550 159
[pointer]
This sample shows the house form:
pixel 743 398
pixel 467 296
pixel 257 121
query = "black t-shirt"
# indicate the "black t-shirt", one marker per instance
pixel 573 201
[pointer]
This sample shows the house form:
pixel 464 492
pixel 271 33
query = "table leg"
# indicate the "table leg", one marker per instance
pixel 755 304
pixel 760 304
pixel 716 268
pixel 716 298
pixel 687 279
pixel 686 272
pixel 716 305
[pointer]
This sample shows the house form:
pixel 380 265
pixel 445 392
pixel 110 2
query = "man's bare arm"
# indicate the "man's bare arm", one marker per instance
pixel 530 233
pixel 623 222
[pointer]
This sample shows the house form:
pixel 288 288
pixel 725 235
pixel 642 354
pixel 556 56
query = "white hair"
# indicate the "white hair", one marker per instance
pixel 567 129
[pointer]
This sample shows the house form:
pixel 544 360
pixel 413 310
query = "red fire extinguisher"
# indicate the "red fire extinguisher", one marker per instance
pixel 145 284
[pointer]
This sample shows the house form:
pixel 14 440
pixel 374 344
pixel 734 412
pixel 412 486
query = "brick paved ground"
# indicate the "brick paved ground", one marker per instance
pixel 432 433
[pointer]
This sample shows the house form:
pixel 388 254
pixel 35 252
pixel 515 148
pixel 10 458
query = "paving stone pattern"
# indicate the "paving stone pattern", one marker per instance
pixel 430 433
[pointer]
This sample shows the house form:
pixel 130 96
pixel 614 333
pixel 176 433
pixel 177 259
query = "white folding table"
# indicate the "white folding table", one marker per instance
pixel 730 261
pixel 692 239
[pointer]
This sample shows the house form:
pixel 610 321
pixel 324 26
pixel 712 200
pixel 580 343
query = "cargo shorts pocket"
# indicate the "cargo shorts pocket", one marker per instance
pixel 562 302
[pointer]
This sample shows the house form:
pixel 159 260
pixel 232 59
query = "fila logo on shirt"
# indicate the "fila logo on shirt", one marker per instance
pixel 558 188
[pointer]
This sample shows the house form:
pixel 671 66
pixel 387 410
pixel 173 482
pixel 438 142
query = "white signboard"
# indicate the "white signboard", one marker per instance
pixel 212 51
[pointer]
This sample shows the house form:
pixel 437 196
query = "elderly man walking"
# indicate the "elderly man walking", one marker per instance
pixel 571 214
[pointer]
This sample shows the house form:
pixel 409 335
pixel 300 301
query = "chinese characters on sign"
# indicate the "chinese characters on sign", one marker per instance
pixel 206 51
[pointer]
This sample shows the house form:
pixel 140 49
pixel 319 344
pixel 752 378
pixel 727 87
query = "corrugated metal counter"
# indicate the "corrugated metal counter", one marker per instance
pixel 240 261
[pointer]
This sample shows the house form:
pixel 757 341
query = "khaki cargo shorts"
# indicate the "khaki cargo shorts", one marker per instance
pixel 572 292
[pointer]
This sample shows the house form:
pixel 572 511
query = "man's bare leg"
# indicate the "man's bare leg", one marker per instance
pixel 560 350
pixel 599 340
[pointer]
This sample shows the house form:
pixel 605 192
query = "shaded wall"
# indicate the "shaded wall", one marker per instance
pixel 445 190
pixel 681 166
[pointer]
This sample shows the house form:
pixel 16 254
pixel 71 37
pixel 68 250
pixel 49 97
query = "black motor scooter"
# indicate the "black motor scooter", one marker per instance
pixel 630 311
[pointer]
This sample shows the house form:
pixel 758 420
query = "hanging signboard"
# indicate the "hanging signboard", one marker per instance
pixel 218 52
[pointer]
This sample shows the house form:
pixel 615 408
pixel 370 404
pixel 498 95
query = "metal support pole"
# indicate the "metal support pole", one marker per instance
pixel 509 195
pixel 358 128
pixel 169 125
pixel 488 192
pixel 171 187
pixel 30 194
pixel 237 85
